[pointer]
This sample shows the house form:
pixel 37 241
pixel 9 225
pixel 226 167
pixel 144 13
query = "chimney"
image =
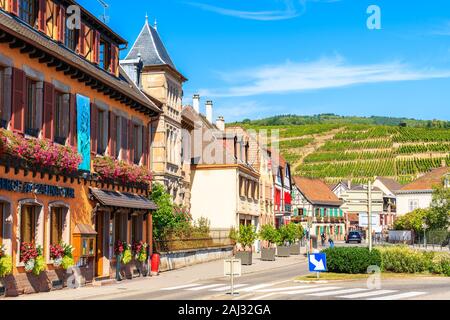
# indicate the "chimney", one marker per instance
pixel 209 111
pixel 220 123
pixel 196 103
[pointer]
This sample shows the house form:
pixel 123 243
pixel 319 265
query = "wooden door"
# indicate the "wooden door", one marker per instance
pixel 100 228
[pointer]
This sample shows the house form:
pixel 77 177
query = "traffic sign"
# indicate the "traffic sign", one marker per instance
pixel 232 267
pixel 317 262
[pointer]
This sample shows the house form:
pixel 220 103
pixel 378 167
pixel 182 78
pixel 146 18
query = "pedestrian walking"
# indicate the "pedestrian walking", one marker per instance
pixel 323 238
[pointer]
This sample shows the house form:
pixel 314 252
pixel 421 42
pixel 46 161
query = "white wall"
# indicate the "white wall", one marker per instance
pixel 214 196
pixel 424 201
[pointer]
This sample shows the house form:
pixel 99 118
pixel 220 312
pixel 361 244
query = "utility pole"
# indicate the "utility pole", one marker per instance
pixel 369 214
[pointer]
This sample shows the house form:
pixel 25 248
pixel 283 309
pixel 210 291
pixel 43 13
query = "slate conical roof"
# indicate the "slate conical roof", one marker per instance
pixel 150 48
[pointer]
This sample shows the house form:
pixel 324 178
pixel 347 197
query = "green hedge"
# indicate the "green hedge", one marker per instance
pixel 403 259
pixel 351 260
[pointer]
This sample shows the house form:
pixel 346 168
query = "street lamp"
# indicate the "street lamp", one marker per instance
pixel 424 227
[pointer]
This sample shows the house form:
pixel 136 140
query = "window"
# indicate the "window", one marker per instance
pixel 61 119
pixel 56 225
pixel 28 224
pixel 101 132
pixel 31 127
pixel 105 53
pixel 413 205
pixel 137 143
pixel 28 11
pixel 70 37
pixel 118 134
pixel 135 229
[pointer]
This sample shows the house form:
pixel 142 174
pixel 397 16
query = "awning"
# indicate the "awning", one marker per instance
pixel 123 200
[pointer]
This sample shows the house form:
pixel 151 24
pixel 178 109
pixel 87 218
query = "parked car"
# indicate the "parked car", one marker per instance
pixel 353 236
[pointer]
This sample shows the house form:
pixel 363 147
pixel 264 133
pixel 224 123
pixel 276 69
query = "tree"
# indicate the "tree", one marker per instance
pixel 163 218
pixel 439 213
pixel 412 220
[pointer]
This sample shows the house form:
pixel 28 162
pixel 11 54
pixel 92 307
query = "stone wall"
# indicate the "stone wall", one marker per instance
pixel 181 259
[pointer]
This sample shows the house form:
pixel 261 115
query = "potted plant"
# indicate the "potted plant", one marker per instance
pixel 245 238
pixel 285 238
pixel 33 258
pixel 140 255
pixel 269 235
pixel 61 254
pixel 298 232
pixel 5 263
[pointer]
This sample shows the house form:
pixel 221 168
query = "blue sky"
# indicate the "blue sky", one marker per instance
pixel 257 58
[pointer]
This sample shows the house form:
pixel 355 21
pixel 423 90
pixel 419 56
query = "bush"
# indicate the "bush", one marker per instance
pixel 351 260
pixel 5 266
pixel 402 259
pixel 441 264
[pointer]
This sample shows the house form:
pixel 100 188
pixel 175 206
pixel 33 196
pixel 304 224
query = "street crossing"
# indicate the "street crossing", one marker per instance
pixel 271 291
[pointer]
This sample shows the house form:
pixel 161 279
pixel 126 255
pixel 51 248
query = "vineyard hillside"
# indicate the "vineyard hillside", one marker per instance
pixel 334 152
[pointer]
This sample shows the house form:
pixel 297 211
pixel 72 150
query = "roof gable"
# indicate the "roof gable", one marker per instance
pixel 316 191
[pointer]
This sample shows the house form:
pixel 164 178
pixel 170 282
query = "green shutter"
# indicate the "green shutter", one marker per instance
pixel 322 212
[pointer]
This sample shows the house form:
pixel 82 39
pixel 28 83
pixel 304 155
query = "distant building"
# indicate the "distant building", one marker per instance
pixel 314 202
pixel 388 187
pixel 419 194
pixel 282 189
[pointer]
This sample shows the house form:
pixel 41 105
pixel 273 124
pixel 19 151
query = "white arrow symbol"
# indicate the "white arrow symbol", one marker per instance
pixel 319 266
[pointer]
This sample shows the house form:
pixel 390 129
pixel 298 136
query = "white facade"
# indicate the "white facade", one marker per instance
pixel 219 207
pixel 408 201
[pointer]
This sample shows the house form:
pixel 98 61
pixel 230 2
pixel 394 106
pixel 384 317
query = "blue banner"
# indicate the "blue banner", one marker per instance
pixel 84 131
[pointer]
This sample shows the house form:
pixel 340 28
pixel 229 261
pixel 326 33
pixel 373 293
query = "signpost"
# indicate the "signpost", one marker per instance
pixel 317 263
pixel 232 268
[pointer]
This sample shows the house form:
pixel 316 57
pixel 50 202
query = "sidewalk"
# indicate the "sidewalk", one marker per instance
pixel 192 274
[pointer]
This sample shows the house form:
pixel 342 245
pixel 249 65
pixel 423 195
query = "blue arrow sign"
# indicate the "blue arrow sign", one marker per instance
pixel 317 262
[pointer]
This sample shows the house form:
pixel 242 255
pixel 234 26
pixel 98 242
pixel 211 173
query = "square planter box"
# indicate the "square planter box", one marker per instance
pixel 246 257
pixel 283 251
pixel 268 254
pixel 295 249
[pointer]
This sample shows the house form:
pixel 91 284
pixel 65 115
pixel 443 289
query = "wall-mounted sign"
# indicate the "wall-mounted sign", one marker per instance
pixel 84 131
pixel 36 188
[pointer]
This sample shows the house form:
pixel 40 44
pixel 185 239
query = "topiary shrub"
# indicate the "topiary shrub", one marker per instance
pixel 351 260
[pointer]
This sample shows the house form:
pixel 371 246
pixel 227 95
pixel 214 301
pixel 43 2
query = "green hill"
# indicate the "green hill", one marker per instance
pixel 333 148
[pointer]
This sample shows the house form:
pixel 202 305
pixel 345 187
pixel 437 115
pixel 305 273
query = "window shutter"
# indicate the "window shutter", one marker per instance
pixel 96 44
pixel 42 15
pixel 131 146
pixel 112 134
pixel 145 147
pixel 81 40
pixel 14 7
pixel 73 120
pixel 94 115
pixel 49 97
pixel 114 59
pixel 61 23
pixel 18 100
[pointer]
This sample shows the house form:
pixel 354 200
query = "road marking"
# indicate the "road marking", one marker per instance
pixel 399 296
pixel 209 286
pixel 286 289
pixel 311 290
pixel 181 287
pixel 259 286
pixel 236 286
pixel 336 292
pixel 264 296
pixel 367 294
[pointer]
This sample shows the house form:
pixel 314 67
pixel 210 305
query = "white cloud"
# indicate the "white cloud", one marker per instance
pixel 290 9
pixel 321 74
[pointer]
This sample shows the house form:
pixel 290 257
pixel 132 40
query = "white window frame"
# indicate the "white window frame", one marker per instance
pixel 66 225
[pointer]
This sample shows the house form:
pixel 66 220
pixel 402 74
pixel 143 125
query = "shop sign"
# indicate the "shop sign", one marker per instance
pixel 36 188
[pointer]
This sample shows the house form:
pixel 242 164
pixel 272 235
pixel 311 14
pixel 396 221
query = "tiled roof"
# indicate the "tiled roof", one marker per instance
pixel 316 191
pixel 150 48
pixel 391 184
pixel 428 181
pixel 19 29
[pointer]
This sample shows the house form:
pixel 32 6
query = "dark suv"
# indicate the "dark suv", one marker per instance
pixel 353 236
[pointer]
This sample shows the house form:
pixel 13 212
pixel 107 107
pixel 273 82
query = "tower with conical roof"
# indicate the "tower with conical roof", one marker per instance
pixel 150 66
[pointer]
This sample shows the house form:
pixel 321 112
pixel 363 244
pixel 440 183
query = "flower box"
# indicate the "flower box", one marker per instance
pixel 283 251
pixel 268 254
pixel 246 257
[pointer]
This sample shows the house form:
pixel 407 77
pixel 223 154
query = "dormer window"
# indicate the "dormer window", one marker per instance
pixel 105 55
pixel 28 11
